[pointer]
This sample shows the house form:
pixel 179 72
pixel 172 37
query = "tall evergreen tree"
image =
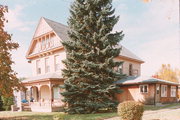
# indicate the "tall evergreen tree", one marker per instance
pixel 8 78
pixel 89 74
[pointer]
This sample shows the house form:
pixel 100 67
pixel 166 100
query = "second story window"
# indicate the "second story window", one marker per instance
pixel 135 72
pixel 47 65
pixel 130 69
pixel 57 63
pixel 38 67
pixel 120 69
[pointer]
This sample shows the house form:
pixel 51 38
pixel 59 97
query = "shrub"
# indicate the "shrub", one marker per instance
pixel 7 102
pixel 59 117
pixel 1 104
pixel 130 110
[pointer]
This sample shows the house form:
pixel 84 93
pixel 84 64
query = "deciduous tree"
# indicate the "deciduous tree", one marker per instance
pixel 8 79
pixel 167 73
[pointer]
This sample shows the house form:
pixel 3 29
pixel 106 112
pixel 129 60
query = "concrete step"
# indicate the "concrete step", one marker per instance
pixel 26 107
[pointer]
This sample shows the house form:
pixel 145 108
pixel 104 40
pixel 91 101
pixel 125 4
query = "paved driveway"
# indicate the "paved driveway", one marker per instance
pixel 164 114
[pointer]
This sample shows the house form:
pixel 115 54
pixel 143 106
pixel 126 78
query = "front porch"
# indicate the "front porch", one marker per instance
pixel 41 95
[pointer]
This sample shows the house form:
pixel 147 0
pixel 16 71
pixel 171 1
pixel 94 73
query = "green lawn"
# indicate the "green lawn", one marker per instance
pixel 152 107
pixel 49 116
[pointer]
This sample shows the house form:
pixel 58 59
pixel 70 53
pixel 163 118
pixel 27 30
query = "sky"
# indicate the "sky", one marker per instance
pixel 151 29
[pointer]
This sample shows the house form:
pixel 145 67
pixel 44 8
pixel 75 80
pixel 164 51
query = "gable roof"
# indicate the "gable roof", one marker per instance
pixel 61 31
pixel 128 54
pixel 131 80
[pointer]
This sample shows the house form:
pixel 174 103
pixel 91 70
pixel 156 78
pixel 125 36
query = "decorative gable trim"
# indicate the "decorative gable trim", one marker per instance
pixel 39 35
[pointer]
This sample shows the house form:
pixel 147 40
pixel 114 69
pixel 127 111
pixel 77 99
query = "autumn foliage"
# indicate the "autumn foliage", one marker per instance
pixel 167 73
pixel 8 79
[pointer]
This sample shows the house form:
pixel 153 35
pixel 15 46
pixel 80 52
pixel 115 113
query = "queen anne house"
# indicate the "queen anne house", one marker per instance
pixel 46 53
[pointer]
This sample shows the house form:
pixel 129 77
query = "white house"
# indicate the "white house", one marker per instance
pixel 45 54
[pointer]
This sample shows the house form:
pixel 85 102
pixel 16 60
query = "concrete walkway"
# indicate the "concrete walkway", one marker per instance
pixel 172 113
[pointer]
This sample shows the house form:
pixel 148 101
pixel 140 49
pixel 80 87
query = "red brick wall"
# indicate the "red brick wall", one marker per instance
pixel 169 99
pixel 132 92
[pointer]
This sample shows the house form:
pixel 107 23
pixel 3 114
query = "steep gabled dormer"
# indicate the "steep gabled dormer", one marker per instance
pixel 46 51
pixel 47 38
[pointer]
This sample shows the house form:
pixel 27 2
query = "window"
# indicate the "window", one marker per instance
pixel 157 89
pixel 43 44
pixel 47 65
pixel 52 39
pixel 38 67
pixel 135 72
pixel 143 88
pixel 163 90
pixel 119 69
pixel 173 91
pixel 56 91
pixel 130 69
pixel 48 43
pixel 57 63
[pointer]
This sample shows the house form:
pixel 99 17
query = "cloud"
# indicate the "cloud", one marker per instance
pixel 152 34
pixel 160 51
pixel 162 45
pixel 15 22
pixel 16 25
pixel 21 66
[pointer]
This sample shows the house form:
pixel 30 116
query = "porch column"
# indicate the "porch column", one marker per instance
pixel 39 93
pixel 28 93
pixel 51 94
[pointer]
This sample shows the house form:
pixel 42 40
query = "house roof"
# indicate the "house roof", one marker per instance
pixel 61 30
pixel 128 54
pixel 143 80
pixel 43 77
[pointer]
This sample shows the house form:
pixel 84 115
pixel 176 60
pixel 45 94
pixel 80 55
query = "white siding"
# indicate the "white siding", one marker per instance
pixel 51 58
pixel 45 43
pixel 125 67
pixel 42 28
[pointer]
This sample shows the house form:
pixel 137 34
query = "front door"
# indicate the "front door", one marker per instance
pixel 157 93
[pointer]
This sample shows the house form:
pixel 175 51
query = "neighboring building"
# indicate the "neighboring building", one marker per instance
pixel 148 90
pixel 45 55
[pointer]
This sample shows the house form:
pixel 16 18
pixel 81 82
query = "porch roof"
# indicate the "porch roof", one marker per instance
pixel 43 77
pixel 143 79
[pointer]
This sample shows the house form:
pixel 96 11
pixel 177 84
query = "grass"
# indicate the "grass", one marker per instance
pixel 99 116
pixel 164 106
pixel 49 116
pixel 6 115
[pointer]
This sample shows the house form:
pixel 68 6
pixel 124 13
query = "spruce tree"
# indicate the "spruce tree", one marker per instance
pixel 8 79
pixel 89 74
